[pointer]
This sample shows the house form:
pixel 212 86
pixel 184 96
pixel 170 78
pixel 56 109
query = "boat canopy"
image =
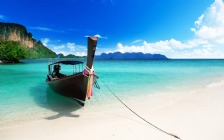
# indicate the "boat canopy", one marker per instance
pixel 68 62
pixel 77 66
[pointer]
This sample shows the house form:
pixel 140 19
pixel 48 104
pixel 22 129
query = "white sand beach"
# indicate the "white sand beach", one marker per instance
pixel 197 115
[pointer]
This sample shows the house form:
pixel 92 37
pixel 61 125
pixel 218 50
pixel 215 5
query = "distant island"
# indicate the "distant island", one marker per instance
pixel 131 56
pixel 70 56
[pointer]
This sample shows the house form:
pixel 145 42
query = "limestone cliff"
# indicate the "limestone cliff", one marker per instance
pixel 16 32
pixel 12 32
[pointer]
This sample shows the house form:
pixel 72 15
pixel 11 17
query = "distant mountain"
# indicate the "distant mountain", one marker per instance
pixel 70 56
pixel 130 56
pixel 16 40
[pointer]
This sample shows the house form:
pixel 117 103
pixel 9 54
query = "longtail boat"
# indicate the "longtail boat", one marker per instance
pixel 79 84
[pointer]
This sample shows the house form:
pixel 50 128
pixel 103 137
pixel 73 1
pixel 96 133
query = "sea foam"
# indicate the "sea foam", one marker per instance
pixel 216 84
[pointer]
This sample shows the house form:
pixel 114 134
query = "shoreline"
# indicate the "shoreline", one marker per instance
pixel 191 116
pixel 9 62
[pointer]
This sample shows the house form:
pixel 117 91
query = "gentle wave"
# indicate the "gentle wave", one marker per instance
pixel 216 84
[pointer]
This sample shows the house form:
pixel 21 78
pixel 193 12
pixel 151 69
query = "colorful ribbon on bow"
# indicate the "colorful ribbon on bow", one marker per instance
pixel 89 73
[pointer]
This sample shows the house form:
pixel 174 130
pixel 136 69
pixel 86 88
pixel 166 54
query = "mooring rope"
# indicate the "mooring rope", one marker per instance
pixel 175 136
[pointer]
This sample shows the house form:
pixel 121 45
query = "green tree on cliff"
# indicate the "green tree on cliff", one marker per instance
pixel 11 51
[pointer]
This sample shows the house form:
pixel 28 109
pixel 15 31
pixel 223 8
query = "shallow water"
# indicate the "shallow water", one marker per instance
pixel 24 95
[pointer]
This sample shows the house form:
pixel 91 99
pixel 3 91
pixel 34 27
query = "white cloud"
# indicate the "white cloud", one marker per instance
pixel 157 47
pixel 207 42
pixel 204 53
pixel 45 29
pixel 99 36
pixel 71 46
pixel 59 47
pixel 80 53
pixel 195 48
pixel 2 17
pixel 210 25
pixel 41 28
pixel 45 41
pixel 137 41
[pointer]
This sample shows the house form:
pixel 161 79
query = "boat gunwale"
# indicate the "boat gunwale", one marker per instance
pixel 63 78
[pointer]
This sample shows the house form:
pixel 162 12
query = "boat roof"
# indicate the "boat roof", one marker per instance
pixel 68 62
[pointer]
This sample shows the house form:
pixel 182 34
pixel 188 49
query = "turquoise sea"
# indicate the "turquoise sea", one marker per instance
pixel 24 95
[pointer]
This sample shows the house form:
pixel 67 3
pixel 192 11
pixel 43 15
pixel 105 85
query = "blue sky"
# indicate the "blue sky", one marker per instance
pixel 175 28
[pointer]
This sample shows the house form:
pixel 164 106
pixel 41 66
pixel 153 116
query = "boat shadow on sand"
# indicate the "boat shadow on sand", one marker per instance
pixel 47 98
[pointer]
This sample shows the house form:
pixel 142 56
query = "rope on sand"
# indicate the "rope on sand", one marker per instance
pixel 175 136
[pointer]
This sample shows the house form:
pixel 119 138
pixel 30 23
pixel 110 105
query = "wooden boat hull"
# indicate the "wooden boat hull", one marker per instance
pixel 73 86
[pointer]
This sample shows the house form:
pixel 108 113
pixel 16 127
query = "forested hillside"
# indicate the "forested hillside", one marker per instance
pixel 16 43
